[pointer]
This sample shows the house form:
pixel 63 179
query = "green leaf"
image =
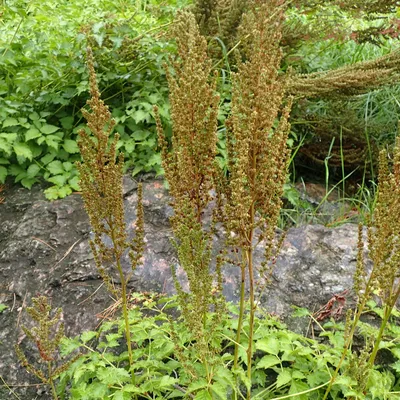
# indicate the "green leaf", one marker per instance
pixel 4 161
pixel 48 129
pixel 74 183
pixel 32 170
pixel 199 384
pixel 112 376
pixel 284 377
pixel 2 307
pixel 268 362
pixel 67 122
pixel 48 158
pixel 5 146
pixel 55 167
pixel 52 141
pixel 58 180
pixel 70 146
pixel 269 344
pixel 203 395
pixel 139 116
pixel 10 122
pixel 23 150
pixel 32 133
pixel 28 182
pixel 3 174
pixel 220 390
pixel 97 390
pixel 68 166
pixel 297 387
pixel 67 346
pixel 88 335
pixel 64 191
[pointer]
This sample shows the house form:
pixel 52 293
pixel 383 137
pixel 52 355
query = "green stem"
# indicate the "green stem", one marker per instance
pixel 249 253
pixel 51 382
pixel 240 320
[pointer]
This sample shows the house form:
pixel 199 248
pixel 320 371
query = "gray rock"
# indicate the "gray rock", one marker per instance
pixel 44 250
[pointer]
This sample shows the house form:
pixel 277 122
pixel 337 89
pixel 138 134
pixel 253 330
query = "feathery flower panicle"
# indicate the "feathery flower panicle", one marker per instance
pixel 190 169
pixel 101 181
pixel 257 133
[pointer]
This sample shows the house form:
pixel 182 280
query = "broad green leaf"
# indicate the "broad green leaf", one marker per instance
pixel 32 133
pixel 268 362
pixel 23 150
pixel 70 146
pixel 167 382
pixel 139 116
pixel 48 129
pixel 97 390
pixel 67 166
pixel 64 191
pixel 58 180
pixel 55 167
pixel 34 116
pixel 3 174
pixel 67 122
pixel 297 387
pixel 28 182
pixel 32 170
pixel 220 390
pixel 5 146
pixel 74 183
pixel 2 307
pixel 203 395
pixel 4 161
pixel 269 344
pixel 52 141
pixel 48 158
pixel 284 377
pixel 10 122
pixel 199 384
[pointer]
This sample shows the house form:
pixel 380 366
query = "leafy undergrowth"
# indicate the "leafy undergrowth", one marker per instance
pixel 287 365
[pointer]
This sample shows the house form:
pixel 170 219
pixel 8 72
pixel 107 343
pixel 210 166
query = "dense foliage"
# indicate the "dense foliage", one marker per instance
pixel 197 345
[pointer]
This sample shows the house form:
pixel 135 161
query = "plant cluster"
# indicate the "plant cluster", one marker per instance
pixel 215 350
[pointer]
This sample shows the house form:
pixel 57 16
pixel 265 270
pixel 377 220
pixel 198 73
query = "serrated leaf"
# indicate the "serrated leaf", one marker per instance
pixel 70 146
pixel 268 362
pixel 88 335
pixel 10 122
pixel 67 166
pixel 3 174
pixel 64 191
pixel 28 182
pixel 48 158
pixel 55 167
pixel 199 384
pixel 58 180
pixel 220 390
pixel 112 376
pixel 5 146
pixel 32 170
pixel 269 344
pixel 32 133
pixel 167 381
pixel 139 116
pixel 23 150
pixel 67 122
pixel 74 183
pixel 297 387
pixel 67 346
pixel 96 390
pixel 47 129
pixel 284 377
pixel 203 395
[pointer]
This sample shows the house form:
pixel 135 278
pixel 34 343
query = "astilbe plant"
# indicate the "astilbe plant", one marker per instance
pixel 101 181
pixel 190 170
pixel 46 334
pixel 384 252
pixel 257 150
